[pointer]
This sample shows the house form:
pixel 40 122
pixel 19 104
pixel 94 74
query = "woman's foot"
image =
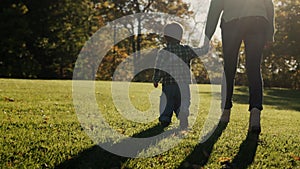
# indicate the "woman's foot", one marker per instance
pixel 254 122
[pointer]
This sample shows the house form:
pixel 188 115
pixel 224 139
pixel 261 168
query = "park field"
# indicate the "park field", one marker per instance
pixel 39 128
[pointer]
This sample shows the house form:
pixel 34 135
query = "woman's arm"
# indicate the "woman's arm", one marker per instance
pixel 215 10
pixel 270 14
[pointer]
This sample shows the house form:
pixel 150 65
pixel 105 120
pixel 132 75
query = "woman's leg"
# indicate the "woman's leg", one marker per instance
pixel 254 44
pixel 231 41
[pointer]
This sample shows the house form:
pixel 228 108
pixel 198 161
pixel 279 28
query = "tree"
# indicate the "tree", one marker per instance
pixel 16 59
pixel 43 39
pixel 61 29
pixel 281 62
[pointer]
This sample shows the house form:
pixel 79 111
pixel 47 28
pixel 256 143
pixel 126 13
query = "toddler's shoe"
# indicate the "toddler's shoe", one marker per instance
pixel 184 123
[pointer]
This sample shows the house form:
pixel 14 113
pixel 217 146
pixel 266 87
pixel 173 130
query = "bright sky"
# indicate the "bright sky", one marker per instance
pixel 201 8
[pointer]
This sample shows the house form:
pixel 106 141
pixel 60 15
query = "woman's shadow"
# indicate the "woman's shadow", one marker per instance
pixel 246 154
pixel 201 153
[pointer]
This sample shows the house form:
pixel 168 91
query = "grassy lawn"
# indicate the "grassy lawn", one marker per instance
pixel 40 129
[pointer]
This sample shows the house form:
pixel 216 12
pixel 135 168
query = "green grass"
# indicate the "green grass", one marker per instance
pixel 39 129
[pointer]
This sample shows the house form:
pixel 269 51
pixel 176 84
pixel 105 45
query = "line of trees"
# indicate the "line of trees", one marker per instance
pixel 43 39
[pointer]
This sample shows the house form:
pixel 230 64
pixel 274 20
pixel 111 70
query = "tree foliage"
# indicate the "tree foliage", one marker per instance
pixel 281 62
pixel 42 39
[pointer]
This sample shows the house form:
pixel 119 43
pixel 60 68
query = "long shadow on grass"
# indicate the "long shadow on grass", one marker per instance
pixel 201 153
pixel 281 98
pixel 246 154
pixel 98 158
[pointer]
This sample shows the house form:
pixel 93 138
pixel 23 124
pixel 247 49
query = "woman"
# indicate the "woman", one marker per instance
pixel 250 21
